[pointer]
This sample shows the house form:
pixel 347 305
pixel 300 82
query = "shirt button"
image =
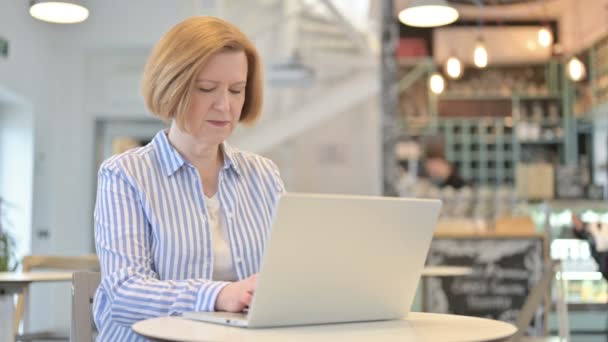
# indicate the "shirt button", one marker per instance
pixel 230 215
pixel 238 260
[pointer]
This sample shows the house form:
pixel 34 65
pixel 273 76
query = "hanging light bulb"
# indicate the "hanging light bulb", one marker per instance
pixel 453 67
pixel 436 83
pixel 480 55
pixel 428 13
pixel 545 36
pixel 576 69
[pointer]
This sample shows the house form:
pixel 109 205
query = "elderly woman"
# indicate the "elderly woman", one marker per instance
pixel 181 223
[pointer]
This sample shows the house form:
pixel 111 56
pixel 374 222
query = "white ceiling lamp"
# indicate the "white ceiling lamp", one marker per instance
pixel 436 83
pixel 480 54
pixel 428 13
pixel 576 69
pixel 453 67
pixel 545 36
pixel 59 12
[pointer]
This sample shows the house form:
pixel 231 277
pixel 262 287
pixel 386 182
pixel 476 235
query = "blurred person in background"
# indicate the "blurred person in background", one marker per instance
pixel 596 234
pixel 436 167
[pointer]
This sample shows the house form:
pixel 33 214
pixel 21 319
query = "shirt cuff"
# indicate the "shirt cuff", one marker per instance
pixel 207 295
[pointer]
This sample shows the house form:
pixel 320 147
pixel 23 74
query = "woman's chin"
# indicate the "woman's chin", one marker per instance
pixel 211 138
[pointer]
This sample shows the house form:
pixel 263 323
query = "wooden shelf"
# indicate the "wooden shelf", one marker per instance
pixel 580 306
pixel 487 234
pixel 496 97
pixel 578 205
pixel 477 97
pixel 538 97
pixel 542 142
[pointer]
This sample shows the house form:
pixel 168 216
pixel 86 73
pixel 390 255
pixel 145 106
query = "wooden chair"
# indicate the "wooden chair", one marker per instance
pixel 534 300
pixel 84 285
pixel 48 262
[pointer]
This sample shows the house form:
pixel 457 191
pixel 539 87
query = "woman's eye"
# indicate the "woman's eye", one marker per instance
pixel 206 90
pixel 236 91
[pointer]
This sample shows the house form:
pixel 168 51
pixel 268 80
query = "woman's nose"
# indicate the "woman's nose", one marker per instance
pixel 221 101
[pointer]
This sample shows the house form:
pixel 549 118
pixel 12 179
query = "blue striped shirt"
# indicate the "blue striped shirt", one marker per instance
pixel 153 238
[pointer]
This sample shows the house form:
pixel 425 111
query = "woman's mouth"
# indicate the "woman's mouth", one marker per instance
pixel 218 123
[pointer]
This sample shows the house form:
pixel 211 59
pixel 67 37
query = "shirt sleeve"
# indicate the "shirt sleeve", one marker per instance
pixel 123 240
pixel 278 181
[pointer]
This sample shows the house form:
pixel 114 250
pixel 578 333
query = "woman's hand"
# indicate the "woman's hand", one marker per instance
pixel 237 296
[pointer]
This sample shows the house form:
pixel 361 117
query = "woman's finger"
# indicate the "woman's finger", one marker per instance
pixel 247 297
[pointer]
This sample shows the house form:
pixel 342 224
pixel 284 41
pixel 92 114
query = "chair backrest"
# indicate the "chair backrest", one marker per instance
pixel 84 285
pixel 51 262
pixel 534 299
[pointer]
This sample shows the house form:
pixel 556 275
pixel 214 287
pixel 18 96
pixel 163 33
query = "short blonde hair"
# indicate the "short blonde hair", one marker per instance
pixel 171 70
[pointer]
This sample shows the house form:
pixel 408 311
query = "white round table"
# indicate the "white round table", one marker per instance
pixel 12 283
pixel 419 327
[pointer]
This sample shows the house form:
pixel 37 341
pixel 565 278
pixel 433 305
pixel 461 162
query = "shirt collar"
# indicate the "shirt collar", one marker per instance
pixel 229 159
pixel 171 160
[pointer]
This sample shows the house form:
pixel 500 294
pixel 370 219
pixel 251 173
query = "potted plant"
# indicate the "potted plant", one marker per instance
pixel 8 261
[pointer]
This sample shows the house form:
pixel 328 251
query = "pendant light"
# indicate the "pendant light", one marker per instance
pixel 453 67
pixel 428 13
pixel 545 36
pixel 576 69
pixel 480 54
pixel 436 83
pixel 59 12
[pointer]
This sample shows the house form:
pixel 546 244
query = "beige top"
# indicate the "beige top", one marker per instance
pixel 223 267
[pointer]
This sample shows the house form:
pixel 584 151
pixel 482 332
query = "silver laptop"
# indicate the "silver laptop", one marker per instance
pixel 332 258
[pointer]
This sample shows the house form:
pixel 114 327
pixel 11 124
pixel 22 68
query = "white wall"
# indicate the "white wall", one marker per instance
pixel 25 75
pixel 50 65
pixel 16 168
pixel 339 156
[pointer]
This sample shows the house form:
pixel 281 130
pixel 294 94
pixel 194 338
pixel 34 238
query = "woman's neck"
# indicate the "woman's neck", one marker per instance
pixel 201 155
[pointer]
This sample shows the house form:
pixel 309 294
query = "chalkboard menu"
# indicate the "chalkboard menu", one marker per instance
pixel 504 271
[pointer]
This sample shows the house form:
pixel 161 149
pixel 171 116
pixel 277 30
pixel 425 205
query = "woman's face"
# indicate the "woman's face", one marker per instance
pixel 217 98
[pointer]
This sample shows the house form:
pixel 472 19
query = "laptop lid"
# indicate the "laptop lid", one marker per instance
pixel 334 258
